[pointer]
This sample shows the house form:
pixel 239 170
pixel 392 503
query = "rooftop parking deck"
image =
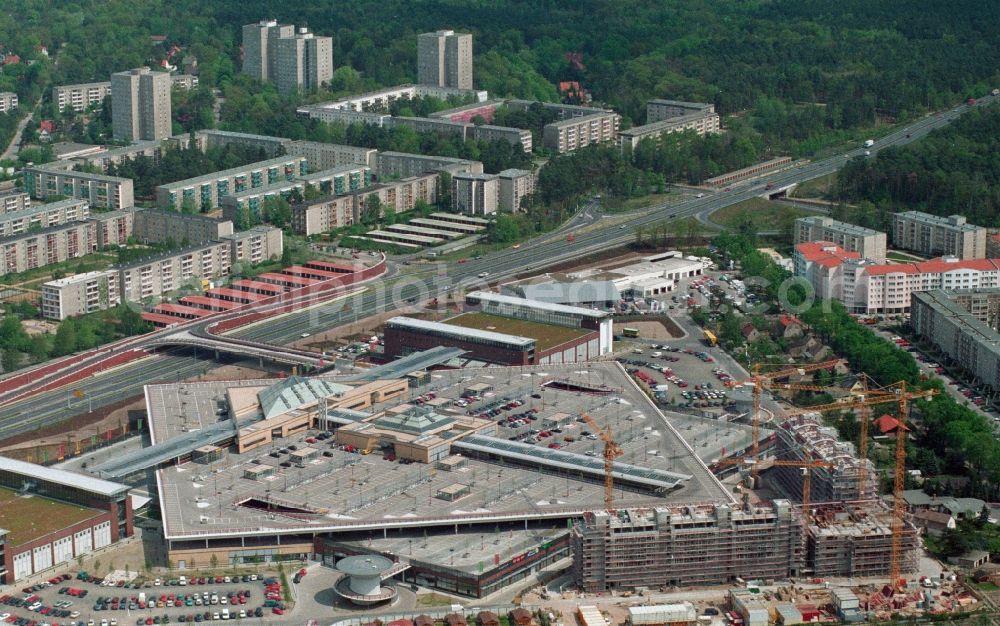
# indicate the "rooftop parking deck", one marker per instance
pixel 344 490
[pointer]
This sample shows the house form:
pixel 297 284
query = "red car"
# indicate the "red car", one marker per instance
pixel 277 611
pixel 302 572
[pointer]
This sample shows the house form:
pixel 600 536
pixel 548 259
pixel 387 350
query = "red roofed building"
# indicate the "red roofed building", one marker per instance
pixel 337 268
pixel 888 424
pixel 181 311
pixel 866 287
pixel 161 321
pixel 235 295
pixel 210 304
pixel 886 289
pixel 821 263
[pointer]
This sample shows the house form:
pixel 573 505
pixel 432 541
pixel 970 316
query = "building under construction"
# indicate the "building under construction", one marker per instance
pixel 856 540
pixel 805 438
pixel 686 545
pixel 703 545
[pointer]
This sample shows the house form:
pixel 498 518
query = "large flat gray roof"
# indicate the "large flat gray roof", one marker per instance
pixel 459 332
pixel 582 291
pixel 486 296
pixel 547 457
pixel 348 492
pixel 42 208
pixel 233 171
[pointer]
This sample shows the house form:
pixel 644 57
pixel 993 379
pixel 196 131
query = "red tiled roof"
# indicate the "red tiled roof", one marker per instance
pixel 301 270
pixel 246 284
pixel 941 265
pixel 180 309
pixel 787 320
pixel 161 320
pixel 888 424
pixel 825 253
pixel 217 303
pixel 934 266
pixel 236 294
pixel 829 261
pixel 287 279
pixel 892 268
pixel 339 268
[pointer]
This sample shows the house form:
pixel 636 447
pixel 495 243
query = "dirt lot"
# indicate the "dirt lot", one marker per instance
pixel 655 329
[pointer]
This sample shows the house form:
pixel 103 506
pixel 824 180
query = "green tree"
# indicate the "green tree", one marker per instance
pixel 372 210
pixel 65 340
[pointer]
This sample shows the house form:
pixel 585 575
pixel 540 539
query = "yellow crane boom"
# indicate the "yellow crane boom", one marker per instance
pixel 611 451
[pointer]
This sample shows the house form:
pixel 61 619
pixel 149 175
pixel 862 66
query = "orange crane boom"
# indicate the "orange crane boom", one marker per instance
pixel 899 479
pixel 760 381
pixel 611 451
pixel 807 467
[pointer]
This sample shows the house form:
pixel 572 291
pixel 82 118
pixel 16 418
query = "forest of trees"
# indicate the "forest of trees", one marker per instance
pixel 953 170
pixel 799 72
pixel 180 163
pixel 18 348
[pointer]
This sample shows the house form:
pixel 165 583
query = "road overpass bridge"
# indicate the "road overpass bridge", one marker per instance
pixel 242 347
pixel 778 191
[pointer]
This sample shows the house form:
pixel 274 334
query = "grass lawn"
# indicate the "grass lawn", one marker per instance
pixel 765 215
pixel 903 257
pixel 433 599
pixel 32 279
pixel 29 518
pixel 545 335
pixel 816 188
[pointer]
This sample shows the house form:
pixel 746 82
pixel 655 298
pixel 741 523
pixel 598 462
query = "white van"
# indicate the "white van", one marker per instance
pixel 182 581
pixel 225 613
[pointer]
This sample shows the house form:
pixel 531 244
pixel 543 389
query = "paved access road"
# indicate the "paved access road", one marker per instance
pixel 434 280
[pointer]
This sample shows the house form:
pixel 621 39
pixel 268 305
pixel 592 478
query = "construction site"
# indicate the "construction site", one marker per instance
pixel 471 481
pixel 830 524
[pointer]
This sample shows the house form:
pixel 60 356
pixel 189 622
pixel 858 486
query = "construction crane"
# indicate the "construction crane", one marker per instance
pixel 864 415
pixel 871 398
pixel 899 479
pixel 760 381
pixel 611 452
pixel 806 466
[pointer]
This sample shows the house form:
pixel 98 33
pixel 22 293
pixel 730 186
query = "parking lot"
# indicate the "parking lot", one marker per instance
pixel 954 386
pixel 81 600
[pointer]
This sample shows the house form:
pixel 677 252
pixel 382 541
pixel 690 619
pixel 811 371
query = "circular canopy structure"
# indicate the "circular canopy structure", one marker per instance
pixel 362 583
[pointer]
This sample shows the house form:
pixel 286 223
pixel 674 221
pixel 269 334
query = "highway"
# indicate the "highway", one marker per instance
pixel 423 282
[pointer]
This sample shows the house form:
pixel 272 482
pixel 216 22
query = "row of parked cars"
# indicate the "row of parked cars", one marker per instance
pixel 969 393
pixel 166 601
pixel 34 604
pixel 207 616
